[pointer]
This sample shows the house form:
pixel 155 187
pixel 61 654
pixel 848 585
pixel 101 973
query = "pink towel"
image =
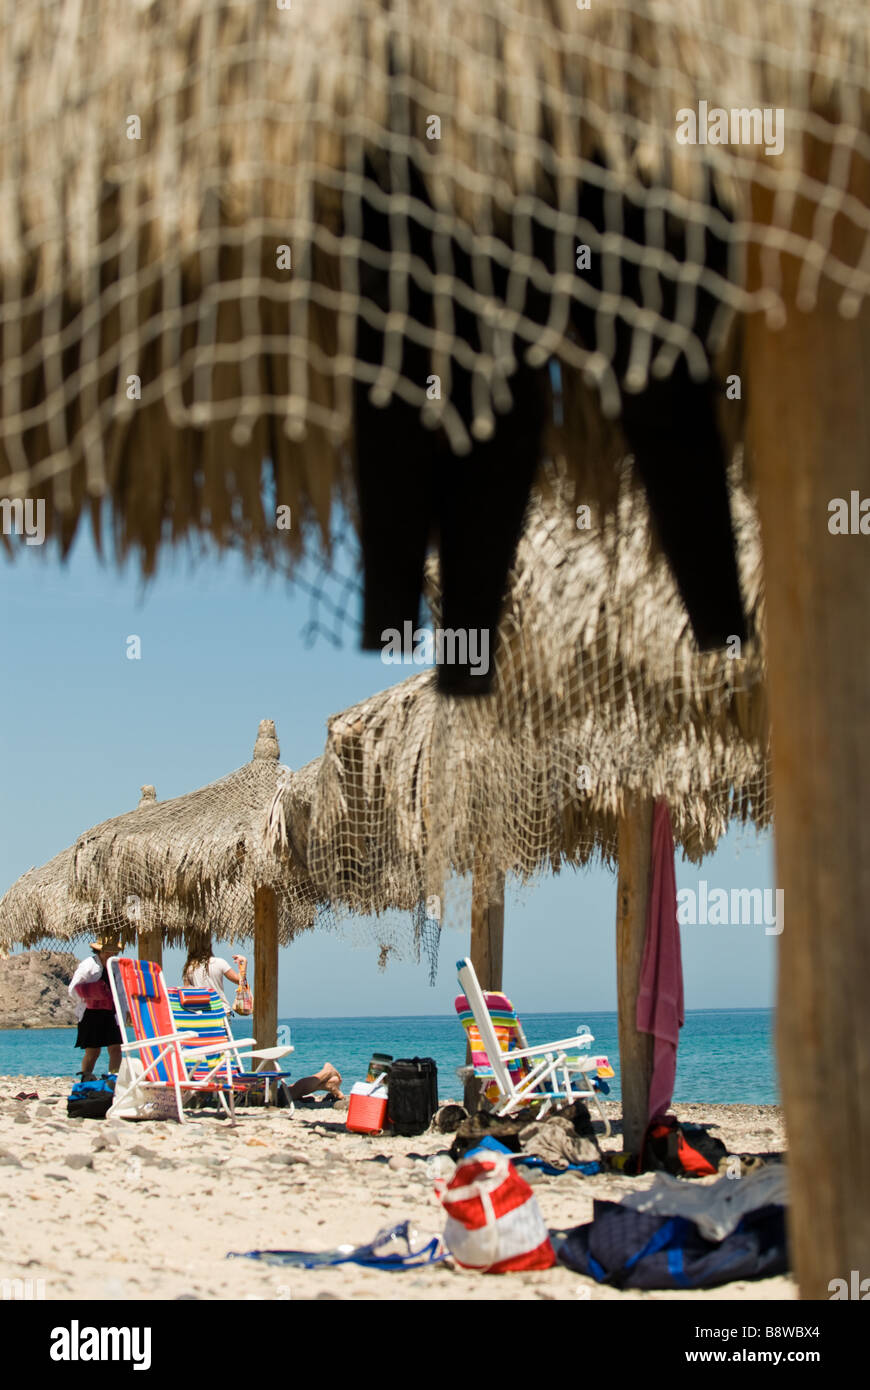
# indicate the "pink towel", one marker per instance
pixel 660 999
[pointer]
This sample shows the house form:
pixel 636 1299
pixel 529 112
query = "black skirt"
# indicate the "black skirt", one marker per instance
pixel 98 1028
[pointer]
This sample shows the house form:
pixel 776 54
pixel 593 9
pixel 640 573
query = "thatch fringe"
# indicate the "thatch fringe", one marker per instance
pixel 185 866
pixel 203 853
pixel 40 908
pixel 155 257
pixel 600 694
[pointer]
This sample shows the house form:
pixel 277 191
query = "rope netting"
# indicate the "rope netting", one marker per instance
pixel 600 696
pixel 178 868
pixel 219 219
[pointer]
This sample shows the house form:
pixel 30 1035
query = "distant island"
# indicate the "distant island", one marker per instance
pixel 33 990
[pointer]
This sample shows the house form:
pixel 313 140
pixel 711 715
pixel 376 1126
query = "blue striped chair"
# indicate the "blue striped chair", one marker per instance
pixel 157 1063
pixel 202 1020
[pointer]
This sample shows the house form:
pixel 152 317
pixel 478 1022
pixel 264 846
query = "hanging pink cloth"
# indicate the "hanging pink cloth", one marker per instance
pixel 660 998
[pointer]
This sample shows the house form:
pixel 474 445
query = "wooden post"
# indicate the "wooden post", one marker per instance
pixel 265 967
pixel 149 940
pixel 632 895
pixel 809 385
pixel 150 943
pixel 487 945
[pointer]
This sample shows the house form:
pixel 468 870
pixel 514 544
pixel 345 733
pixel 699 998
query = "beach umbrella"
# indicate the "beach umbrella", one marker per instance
pixel 600 694
pixel 39 908
pixel 400 805
pixel 247 230
pixel 601 705
pixel 204 853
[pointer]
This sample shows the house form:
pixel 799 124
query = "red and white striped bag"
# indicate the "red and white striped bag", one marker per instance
pixel 494 1223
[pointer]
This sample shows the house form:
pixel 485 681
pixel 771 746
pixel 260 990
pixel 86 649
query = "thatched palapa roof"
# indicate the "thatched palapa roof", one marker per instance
pixel 600 694
pixel 182 265
pixel 203 852
pixel 39 906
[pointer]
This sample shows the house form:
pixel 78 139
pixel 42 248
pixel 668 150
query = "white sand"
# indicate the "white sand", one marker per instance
pixel 159 1223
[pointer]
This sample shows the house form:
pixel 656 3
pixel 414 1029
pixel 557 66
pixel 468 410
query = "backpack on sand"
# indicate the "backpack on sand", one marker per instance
pixel 89 1100
pixel 413 1094
pixel 682 1150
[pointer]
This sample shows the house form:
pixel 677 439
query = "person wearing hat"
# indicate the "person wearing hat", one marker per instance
pixel 95 1009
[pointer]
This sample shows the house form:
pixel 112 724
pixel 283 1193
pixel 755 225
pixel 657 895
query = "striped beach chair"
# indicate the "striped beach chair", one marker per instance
pixel 506 1027
pixel 158 1058
pixel 202 1020
pixel 514 1074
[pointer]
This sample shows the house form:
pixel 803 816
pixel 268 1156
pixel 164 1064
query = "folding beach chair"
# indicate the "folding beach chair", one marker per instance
pixel 202 1020
pixel 157 1061
pixel 515 1074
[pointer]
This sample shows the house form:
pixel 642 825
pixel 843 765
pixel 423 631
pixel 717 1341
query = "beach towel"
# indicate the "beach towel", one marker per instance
pixel 660 1008
pixel 643 1250
pixel 394 1248
pixel 533 1160
pixel 556 1143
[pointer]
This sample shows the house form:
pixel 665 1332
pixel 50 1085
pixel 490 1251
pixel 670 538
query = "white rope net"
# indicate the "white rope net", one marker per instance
pixel 176 870
pixel 217 218
pixel 600 697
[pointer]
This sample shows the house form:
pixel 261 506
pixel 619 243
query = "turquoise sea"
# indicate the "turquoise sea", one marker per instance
pixel 726 1055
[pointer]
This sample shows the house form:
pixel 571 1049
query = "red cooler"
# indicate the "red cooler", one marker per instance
pixel 367 1108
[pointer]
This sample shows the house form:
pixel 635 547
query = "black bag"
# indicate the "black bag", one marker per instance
pixel 682 1150
pixel 413 1094
pixel 89 1100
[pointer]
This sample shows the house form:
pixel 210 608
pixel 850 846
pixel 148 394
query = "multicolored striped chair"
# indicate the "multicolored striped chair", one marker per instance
pixel 158 1059
pixel 202 1020
pixel 507 1030
pixel 515 1074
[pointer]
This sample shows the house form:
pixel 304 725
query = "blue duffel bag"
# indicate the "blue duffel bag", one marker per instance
pixel 89 1100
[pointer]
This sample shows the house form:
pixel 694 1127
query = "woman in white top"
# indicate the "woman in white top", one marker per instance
pixel 204 970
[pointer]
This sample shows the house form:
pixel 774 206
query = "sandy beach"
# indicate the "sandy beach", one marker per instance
pixel 148 1210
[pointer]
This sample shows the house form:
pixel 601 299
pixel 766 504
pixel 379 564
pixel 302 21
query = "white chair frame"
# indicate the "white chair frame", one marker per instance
pixel 553 1065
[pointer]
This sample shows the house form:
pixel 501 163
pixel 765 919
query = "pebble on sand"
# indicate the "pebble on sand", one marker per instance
pixel 79 1160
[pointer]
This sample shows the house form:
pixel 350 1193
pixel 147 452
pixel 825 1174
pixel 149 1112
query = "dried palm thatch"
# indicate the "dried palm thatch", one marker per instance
pixel 201 854
pixel 39 907
pixel 408 794
pixel 600 693
pixel 594 624
pixel 183 262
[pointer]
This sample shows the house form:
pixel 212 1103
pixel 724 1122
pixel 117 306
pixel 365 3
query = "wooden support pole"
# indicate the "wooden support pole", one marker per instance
pixel 487 925
pixel 265 967
pixel 487 945
pixel 150 945
pixel 632 896
pixel 809 388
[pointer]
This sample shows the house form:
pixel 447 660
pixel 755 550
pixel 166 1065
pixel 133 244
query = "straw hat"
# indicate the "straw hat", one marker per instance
pixel 106 943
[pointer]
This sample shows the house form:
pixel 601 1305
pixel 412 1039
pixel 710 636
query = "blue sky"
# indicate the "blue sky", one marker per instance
pixel 83 728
